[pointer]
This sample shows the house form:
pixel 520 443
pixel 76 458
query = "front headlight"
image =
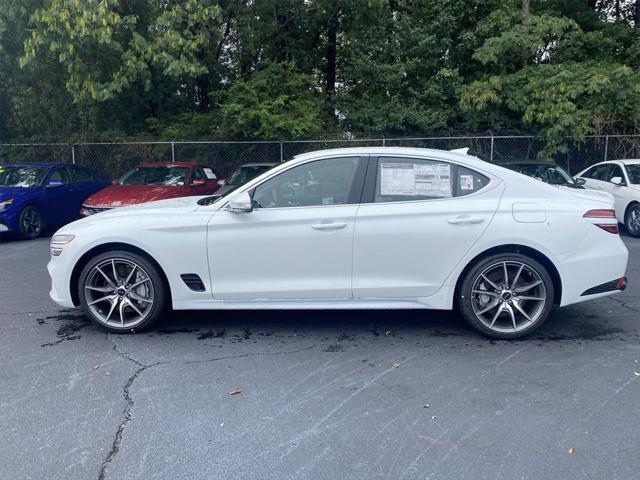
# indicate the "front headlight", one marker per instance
pixel 61 239
pixel 5 203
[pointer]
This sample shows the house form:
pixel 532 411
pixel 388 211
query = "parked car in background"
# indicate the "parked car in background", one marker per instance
pixel 154 181
pixel 374 227
pixel 546 171
pixel 39 195
pixel 242 175
pixel 620 178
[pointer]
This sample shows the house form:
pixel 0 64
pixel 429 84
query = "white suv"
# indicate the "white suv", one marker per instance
pixel 621 178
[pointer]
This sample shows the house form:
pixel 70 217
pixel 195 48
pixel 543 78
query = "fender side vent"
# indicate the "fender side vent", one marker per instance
pixel 193 281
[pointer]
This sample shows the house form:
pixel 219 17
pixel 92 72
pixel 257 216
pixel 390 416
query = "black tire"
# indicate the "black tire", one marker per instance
pixel 506 299
pixel 155 283
pixel 632 220
pixel 30 223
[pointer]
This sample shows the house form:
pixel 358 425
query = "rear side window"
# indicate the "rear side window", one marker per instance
pixel 469 181
pixel 407 179
pixel 79 175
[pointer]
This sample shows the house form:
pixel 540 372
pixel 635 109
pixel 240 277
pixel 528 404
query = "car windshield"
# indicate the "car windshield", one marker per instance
pixel 550 173
pixel 245 173
pixel 21 176
pixel 633 171
pixel 155 176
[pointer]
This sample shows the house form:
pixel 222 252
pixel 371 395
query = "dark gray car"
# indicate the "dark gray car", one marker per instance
pixel 242 175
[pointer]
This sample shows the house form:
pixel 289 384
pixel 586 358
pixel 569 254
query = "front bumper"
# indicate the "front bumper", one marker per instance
pixel 60 278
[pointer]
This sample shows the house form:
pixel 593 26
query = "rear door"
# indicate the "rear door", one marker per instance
pixel 418 218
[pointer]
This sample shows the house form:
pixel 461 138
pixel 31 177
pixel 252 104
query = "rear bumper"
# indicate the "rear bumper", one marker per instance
pixel 619 284
pixel 588 270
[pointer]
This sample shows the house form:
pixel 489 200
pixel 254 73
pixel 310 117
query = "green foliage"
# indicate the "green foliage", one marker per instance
pixel 192 69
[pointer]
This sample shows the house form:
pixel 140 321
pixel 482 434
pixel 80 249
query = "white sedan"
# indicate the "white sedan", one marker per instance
pixel 621 178
pixel 354 228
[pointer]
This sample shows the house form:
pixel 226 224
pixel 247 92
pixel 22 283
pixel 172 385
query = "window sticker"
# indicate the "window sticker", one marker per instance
pixel 397 179
pixel 209 173
pixel 432 180
pixel 327 200
pixel 466 182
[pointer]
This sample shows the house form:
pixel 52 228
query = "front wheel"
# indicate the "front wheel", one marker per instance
pixel 506 296
pixel 122 291
pixel 30 223
pixel 632 220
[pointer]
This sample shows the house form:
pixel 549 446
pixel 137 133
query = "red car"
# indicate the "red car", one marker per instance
pixel 154 181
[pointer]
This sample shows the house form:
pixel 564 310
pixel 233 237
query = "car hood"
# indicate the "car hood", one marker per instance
pixel 13 192
pixel 121 195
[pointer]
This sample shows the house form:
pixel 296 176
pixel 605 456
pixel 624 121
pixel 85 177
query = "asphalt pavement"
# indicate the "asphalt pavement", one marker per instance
pixel 316 395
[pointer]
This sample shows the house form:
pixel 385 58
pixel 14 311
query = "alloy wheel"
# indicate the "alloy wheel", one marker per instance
pixel 508 296
pixel 633 221
pixel 31 223
pixel 119 292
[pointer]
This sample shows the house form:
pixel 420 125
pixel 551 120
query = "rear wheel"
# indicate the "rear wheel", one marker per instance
pixel 122 291
pixel 632 220
pixel 506 296
pixel 30 223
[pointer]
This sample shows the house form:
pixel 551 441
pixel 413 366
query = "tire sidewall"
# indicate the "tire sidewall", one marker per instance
pixel 159 287
pixel 24 211
pixel 464 295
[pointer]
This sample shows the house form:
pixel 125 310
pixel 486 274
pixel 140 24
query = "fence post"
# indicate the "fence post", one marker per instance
pixel 73 154
pixel 281 153
pixel 384 141
pixel 173 151
pixel 606 147
pixel 491 156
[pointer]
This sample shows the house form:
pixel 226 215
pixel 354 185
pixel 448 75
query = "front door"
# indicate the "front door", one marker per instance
pixel 297 242
pixel 422 217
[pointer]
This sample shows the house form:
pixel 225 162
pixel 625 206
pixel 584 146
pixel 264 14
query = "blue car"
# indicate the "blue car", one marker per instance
pixel 39 195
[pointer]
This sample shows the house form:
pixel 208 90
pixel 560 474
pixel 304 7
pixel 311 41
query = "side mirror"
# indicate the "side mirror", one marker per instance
pixel 617 181
pixel 580 181
pixel 54 183
pixel 198 182
pixel 240 203
pixel 221 182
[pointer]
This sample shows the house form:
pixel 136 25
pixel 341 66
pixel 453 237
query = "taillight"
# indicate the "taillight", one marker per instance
pixel 604 219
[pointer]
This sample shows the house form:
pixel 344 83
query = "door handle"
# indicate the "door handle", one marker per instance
pixel 465 219
pixel 329 226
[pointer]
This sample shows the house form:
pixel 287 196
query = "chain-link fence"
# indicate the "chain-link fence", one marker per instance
pixel 115 158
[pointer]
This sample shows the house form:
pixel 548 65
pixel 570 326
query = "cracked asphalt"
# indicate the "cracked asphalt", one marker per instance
pixel 324 395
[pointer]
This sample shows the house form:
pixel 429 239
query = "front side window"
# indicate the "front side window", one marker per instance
pixel 633 172
pixel 155 176
pixel 21 176
pixel 58 177
pixel 407 179
pixel 321 182
pixel 598 172
pixel 614 171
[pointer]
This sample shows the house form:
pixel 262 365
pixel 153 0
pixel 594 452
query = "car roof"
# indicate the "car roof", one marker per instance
pixel 38 164
pixel 260 164
pixel 169 164
pixel 529 162
pixel 411 151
